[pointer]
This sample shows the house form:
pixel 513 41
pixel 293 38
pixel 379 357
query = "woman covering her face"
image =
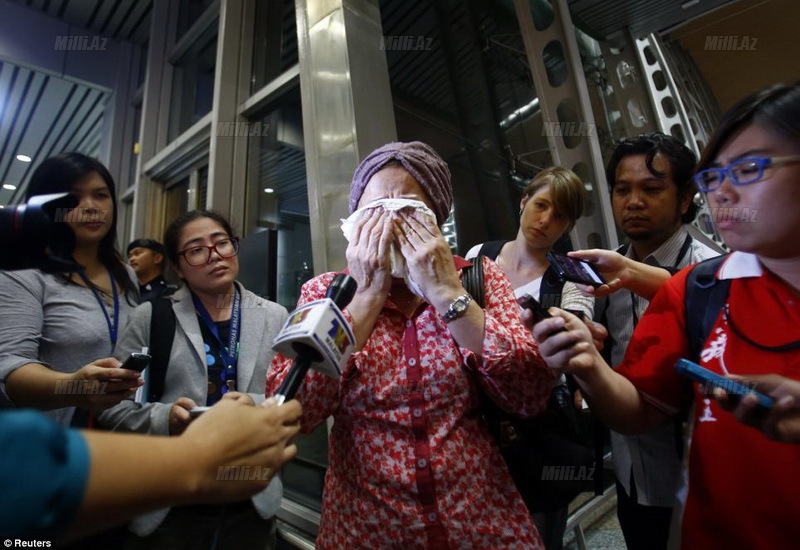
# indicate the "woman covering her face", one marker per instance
pixel 411 464
pixel 742 488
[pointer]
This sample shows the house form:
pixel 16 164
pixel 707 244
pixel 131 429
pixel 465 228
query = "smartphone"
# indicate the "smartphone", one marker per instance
pixel 709 379
pixel 194 412
pixel 575 270
pixel 540 312
pixel 137 362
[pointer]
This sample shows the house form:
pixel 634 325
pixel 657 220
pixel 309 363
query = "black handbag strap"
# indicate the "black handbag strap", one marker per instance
pixel 472 281
pixel 162 334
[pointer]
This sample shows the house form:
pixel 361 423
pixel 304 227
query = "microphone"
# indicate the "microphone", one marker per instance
pixel 317 336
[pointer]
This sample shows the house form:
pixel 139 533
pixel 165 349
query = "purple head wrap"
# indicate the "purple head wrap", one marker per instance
pixel 421 161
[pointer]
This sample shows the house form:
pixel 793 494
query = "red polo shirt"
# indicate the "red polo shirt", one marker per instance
pixel 744 490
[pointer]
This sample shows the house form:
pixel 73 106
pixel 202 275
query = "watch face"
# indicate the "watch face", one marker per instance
pixel 457 308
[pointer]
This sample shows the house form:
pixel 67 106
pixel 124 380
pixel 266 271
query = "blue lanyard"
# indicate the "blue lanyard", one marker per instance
pixel 112 326
pixel 230 354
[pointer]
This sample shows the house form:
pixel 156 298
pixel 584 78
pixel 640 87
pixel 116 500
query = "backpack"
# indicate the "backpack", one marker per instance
pixel 705 297
pixel 550 457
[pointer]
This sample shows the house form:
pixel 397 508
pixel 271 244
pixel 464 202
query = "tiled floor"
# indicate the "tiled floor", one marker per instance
pixel 601 532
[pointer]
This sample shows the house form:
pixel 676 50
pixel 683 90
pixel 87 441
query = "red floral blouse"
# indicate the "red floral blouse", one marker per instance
pixel 411 464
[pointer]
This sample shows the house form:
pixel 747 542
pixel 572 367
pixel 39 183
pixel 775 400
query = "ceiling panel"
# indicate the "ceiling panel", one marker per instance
pixel 40 116
pixel 610 18
pixel 118 19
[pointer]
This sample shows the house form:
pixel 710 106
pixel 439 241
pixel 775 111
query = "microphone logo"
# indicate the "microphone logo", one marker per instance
pixel 339 336
pixel 297 318
pixel 321 326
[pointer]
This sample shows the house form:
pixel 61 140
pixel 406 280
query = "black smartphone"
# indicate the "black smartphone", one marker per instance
pixel 575 270
pixel 540 313
pixel 710 380
pixel 137 362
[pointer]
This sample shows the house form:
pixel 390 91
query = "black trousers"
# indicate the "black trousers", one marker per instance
pixel 209 527
pixel 644 527
pixel 551 527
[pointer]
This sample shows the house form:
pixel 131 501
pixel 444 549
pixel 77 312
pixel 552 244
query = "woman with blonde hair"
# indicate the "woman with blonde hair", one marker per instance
pixel 550 205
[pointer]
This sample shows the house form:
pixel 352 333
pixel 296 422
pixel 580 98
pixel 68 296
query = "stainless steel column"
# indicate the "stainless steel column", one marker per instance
pixel 347 109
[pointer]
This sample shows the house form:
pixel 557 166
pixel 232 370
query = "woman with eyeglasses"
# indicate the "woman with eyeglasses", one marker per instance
pixel 58 331
pixel 221 349
pixel 742 488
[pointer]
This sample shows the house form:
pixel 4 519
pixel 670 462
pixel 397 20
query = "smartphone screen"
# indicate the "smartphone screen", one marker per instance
pixel 575 270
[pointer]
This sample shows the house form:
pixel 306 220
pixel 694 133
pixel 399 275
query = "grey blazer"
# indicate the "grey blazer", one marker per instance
pixel 187 377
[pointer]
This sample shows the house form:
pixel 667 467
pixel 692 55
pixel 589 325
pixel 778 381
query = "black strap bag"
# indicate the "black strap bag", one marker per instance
pixel 551 457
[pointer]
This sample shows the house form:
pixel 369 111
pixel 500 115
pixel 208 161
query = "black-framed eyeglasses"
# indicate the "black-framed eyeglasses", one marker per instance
pixel 199 255
pixel 741 172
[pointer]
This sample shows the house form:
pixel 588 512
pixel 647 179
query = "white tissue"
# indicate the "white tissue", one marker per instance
pixel 398 262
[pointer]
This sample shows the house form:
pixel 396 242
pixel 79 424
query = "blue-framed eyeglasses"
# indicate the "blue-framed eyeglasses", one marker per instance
pixel 741 172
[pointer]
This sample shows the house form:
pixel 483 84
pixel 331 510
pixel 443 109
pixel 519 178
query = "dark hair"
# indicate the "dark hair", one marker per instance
pixel 152 244
pixel 59 174
pixel 173 233
pixel 680 157
pixel 776 108
pixel 566 189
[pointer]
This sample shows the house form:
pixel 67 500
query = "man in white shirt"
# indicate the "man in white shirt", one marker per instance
pixel 652 197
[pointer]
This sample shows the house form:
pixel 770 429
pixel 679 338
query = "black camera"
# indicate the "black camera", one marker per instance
pixel 34 235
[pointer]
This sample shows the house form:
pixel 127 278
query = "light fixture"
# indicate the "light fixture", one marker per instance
pixel 269 190
pixel 24 158
pixel 9 186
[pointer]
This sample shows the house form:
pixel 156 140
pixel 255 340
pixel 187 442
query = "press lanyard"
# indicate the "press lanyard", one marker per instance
pixel 112 326
pixel 229 356
pixel 687 242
